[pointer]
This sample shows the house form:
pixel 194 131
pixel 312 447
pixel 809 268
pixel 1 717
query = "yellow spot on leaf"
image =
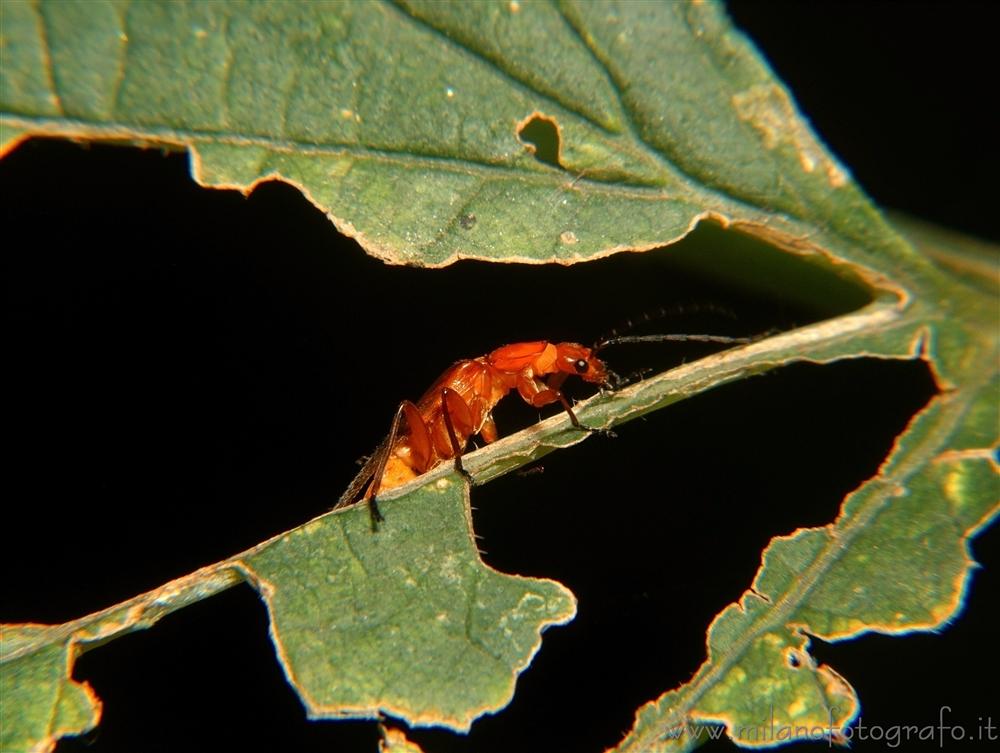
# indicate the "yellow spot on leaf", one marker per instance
pixel 568 237
pixel 768 109
pixel 312 527
pixel 340 168
pixel 954 488
pixel 941 612
pixel 855 625
pixel 449 569
pixel 529 603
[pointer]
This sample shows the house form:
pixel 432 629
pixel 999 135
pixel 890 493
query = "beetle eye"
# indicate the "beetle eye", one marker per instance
pixel 580 366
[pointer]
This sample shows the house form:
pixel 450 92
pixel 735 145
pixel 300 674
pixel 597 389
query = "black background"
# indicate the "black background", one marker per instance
pixel 191 371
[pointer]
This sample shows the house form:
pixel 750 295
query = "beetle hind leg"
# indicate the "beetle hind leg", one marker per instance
pixel 458 423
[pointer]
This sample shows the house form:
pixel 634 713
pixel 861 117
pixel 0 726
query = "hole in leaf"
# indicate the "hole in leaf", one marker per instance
pixel 541 136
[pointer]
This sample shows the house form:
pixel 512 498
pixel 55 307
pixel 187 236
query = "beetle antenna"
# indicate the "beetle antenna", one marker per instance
pixel 667 312
pixel 629 339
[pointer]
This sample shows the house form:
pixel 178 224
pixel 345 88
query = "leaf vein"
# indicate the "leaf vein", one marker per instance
pixel 76 127
pixel 628 117
pixel 508 74
pixel 50 72
pixel 119 83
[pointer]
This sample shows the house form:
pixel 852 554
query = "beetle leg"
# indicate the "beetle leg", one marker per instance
pixel 534 391
pixel 569 410
pixel 454 410
pixel 537 394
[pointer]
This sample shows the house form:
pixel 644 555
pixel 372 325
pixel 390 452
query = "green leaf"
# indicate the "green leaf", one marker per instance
pixel 422 162
pixel 535 132
pixel 41 702
pixel 409 620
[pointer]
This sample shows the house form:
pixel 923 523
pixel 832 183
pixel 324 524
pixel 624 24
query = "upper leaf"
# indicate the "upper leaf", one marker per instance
pixel 404 121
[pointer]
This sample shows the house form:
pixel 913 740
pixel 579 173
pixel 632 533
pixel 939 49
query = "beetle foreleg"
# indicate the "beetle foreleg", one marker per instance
pixel 552 393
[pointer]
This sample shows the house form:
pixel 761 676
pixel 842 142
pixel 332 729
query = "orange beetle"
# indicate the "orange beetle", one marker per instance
pixel 460 405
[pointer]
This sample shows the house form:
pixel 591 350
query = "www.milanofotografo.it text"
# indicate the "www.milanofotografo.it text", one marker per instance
pixel 943 731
